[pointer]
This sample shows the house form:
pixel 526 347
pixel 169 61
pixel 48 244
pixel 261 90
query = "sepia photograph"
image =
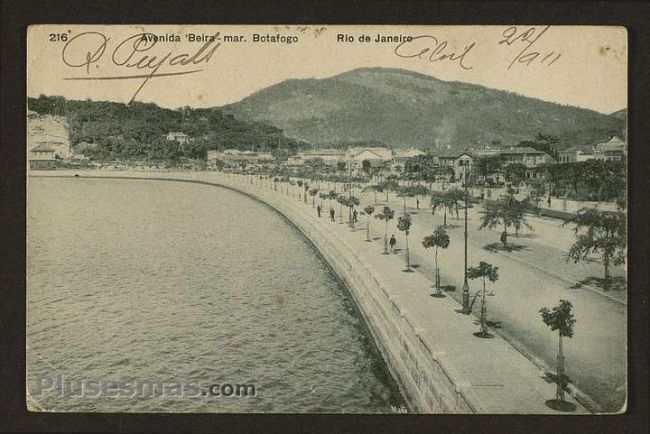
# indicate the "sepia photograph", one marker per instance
pixel 364 219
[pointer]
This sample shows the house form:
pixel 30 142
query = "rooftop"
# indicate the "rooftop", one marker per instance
pixel 522 150
pixel 43 147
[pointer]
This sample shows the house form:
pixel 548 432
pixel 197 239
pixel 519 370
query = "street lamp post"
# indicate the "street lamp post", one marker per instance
pixel 466 308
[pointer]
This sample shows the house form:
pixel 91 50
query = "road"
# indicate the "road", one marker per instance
pixel 532 276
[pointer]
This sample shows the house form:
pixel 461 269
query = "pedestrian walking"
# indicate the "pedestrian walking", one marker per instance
pixel 392 243
pixel 417 203
pixel 332 214
pixel 504 238
pixel 354 216
pixel 318 208
pixel 549 201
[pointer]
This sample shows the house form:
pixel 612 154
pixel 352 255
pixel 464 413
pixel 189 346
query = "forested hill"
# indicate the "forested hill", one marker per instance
pixel 108 130
pixel 403 108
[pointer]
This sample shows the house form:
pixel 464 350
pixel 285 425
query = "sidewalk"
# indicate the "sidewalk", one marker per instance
pixel 503 380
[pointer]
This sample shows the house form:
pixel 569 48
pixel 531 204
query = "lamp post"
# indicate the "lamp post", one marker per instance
pixel 466 308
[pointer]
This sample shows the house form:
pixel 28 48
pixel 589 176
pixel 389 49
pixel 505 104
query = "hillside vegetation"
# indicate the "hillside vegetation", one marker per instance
pixel 403 108
pixel 109 130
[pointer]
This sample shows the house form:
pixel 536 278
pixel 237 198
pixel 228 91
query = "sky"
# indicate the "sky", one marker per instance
pixel 583 66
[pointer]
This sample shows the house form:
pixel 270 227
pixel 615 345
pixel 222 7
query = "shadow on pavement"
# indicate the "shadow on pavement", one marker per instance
pixel 499 247
pixel 616 283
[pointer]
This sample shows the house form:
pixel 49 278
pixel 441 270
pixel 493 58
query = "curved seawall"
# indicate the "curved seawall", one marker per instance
pixel 430 350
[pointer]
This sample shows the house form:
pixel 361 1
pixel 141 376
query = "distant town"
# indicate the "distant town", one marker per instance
pixel 483 166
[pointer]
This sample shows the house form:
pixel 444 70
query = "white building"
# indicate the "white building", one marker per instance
pixel 614 149
pixel 402 156
pixel 235 157
pixel 180 137
pixel 576 154
pixel 42 156
pixel 377 156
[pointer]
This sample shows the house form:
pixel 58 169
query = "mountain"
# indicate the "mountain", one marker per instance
pixel 403 108
pixel 620 114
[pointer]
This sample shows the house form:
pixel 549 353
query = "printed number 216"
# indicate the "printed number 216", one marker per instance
pixel 56 37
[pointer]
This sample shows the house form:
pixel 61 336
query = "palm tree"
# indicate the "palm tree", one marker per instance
pixel 404 225
pixel 484 270
pixel 560 318
pixel 386 215
pixel 368 210
pixel 439 239
pixel 605 234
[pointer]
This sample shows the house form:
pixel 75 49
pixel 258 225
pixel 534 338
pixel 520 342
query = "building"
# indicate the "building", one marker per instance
pixel 329 156
pixel 484 151
pixel 237 158
pixel 459 162
pixel 576 154
pixel 533 159
pixel 403 156
pixel 180 137
pixel 614 149
pixel 463 166
pixel 529 157
pixel 377 156
pixel 42 156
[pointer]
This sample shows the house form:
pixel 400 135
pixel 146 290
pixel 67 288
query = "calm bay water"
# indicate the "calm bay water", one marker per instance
pixel 134 280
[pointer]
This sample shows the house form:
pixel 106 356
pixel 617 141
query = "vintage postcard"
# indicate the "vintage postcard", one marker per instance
pixel 327 219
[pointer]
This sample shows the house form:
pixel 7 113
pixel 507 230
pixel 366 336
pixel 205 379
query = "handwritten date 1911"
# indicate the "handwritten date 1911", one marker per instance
pixel 512 35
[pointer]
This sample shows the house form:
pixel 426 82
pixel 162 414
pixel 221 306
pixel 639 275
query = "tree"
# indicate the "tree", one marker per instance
pixel 340 166
pixel 368 210
pixel 386 215
pixel 404 225
pixel 438 199
pixel 351 202
pixel 389 185
pixel 515 173
pixel 605 234
pixel 366 166
pixel 490 165
pixel 376 188
pixel 404 192
pixel 450 199
pixel 453 198
pixel 299 182
pixel 483 271
pixel 312 193
pixel 560 318
pixel 506 211
pixel 343 201
pixel 332 195
pixel 439 239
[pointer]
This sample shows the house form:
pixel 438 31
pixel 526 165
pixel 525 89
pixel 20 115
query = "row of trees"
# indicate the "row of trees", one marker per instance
pixel 507 211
